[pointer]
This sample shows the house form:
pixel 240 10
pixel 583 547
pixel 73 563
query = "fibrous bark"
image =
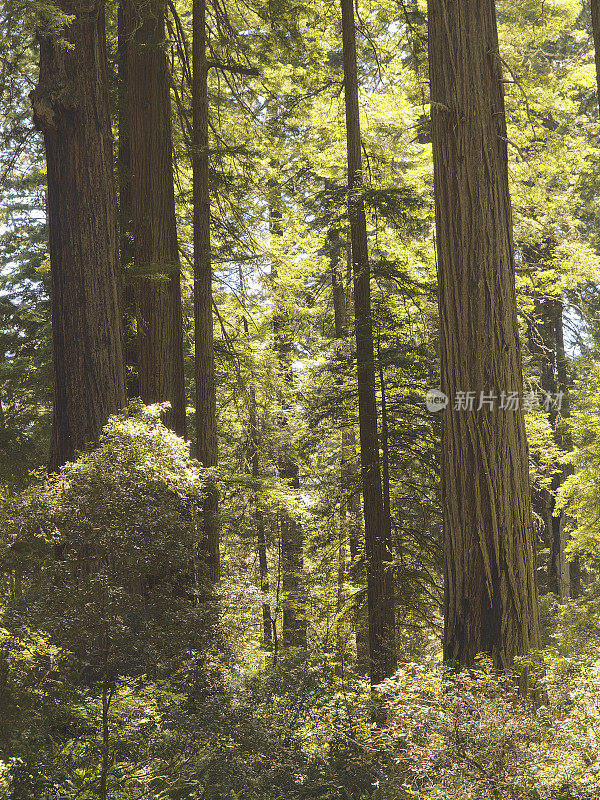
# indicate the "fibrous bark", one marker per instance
pixel 154 227
pixel 71 107
pixel 490 587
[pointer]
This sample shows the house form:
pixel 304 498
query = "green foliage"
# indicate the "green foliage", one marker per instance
pixel 469 734
pixel 104 609
pixel 105 605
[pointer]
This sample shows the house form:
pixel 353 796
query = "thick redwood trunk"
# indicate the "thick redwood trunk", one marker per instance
pixel 156 255
pixel 490 588
pixel 206 397
pixel 71 108
pixel 380 584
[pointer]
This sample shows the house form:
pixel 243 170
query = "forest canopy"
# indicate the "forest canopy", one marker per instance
pixel 299 399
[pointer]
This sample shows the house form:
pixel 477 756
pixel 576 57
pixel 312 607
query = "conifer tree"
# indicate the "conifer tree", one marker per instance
pixel 71 107
pixel 153 222
pixel 380 584
pixel 206 398
pixel 489 572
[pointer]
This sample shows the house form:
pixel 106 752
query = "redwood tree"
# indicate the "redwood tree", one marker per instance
pixel 350 512
pixel 380 584
pixel 153 222
pixel 71 107
pixel 490 587
pixel 206 397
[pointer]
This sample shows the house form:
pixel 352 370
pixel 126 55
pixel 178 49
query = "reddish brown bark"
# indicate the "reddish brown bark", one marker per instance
pixel 490 587
pixel 71 108
pixel 155 249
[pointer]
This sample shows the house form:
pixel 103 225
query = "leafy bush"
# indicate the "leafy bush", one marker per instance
pixel 470 735
pixel 108 625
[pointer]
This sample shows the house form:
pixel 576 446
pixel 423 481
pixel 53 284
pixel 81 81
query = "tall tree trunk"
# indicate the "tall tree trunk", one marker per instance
pixel 206 395
pixel 380 585
pixel 156 255
pixel 572 574
pixel 490 587
pixel 558 567
pixel 351 478
pixel 350 527
pixel 71 107
pixel 543 346
pixel 545 341
pixel 125 220
pixel 294 622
